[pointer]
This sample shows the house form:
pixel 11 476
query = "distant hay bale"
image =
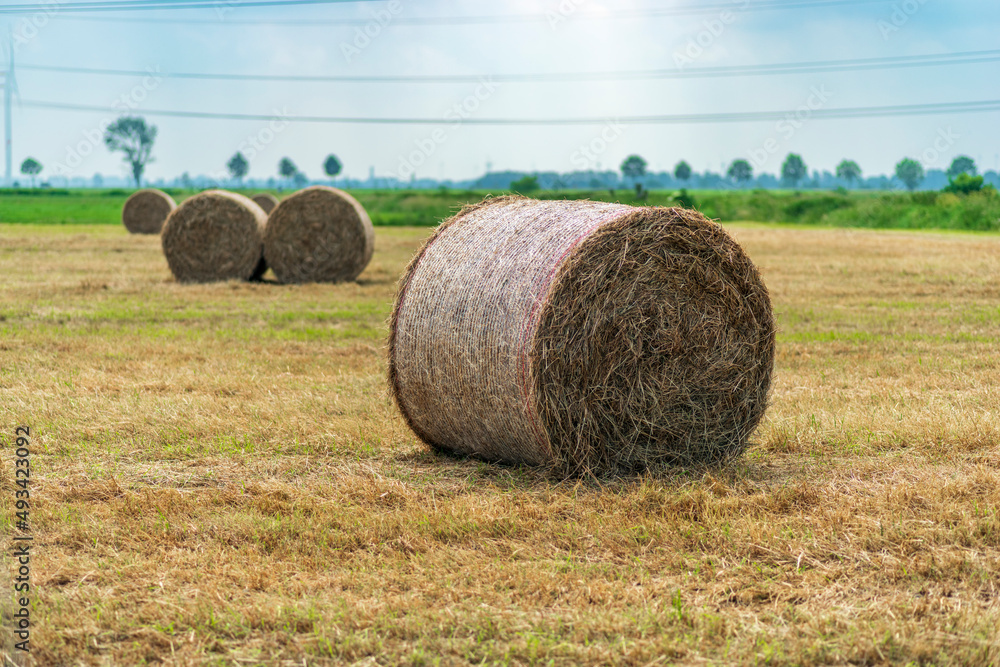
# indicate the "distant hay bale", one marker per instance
pixel 146 211
pixel 319 234
pixel 584 336
pixel 266 201
pixel 214 235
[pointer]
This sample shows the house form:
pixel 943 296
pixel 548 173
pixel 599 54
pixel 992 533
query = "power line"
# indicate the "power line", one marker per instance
pixel 928 60
pixel 137 5
pixel 677 119
pixel 710 8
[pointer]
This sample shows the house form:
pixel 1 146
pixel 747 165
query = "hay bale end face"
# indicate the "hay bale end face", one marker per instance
pixel 318 235
pixel 266 201
pixel 146 211
pixel 214 235
pixel 588 337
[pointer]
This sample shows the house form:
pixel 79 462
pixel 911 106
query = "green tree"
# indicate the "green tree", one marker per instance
pixel 31 168
pixel 910 172
pixel 133 137
pixel 287 168
pixel 793 169
pixel 300 180
pixel 740 171
pixel 849 171
pixel 682 172
pixel 634 167
pixel 525 184
pixel 332 165
pixel 238 167
pixel 963 164
pixel 965 183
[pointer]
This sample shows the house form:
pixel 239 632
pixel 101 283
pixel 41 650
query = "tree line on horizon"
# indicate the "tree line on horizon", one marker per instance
pixel 133 137
pixel 910 172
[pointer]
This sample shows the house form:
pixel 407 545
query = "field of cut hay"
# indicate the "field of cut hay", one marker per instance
pixel 220 477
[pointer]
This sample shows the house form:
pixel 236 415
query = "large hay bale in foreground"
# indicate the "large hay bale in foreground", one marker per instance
pixel 318 235
pixel 266 201
pixel 146 211
pixel 214 235
pixel 585 336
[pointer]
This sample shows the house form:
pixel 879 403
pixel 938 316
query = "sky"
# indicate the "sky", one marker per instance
pixel 567 36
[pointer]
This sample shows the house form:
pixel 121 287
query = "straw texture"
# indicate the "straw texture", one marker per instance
pixel 146 211
pixel 319 234
pixel 266 201
pixel 214 235
pixel 589 337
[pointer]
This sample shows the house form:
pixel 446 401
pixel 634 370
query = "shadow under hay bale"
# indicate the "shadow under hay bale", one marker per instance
pixel 146 211
pixel 318 235
pixel 266 201
pixel 215 235
pixel 588 337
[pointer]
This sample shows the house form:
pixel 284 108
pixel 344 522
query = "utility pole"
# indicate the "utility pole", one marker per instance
pixel 9 86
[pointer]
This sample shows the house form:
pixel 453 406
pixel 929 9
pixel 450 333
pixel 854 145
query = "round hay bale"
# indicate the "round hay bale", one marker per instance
pixel 146 211
pixel 589 337
pixel 318 235
pixel 266 201
pixel 214 235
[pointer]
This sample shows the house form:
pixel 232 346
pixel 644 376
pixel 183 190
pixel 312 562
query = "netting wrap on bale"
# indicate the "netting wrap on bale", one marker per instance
pixel 146 211
pixel 585 336
pixel 266 201
pixel 318 235
pixel 215 235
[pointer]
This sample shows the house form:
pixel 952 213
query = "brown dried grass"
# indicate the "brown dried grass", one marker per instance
pixel 146 211
pixel 588 337
pixel 318 235
pixel 213 236
pixel 218 479
pixel 266 201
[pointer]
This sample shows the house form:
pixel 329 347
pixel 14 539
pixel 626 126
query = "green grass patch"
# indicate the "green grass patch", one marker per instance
pixel 426 208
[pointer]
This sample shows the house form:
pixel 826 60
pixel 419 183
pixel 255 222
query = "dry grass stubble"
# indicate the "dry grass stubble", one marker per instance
pixel 220 478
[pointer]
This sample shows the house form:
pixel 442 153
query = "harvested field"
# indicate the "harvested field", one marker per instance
pixel 220 477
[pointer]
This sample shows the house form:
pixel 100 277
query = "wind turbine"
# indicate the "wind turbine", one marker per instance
pixel 9 90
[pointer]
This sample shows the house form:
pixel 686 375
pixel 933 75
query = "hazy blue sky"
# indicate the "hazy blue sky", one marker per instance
pixel 590 37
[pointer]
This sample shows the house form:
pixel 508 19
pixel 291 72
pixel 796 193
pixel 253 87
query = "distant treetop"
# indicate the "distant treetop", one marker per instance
pixel 682 171
pixel 963 164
